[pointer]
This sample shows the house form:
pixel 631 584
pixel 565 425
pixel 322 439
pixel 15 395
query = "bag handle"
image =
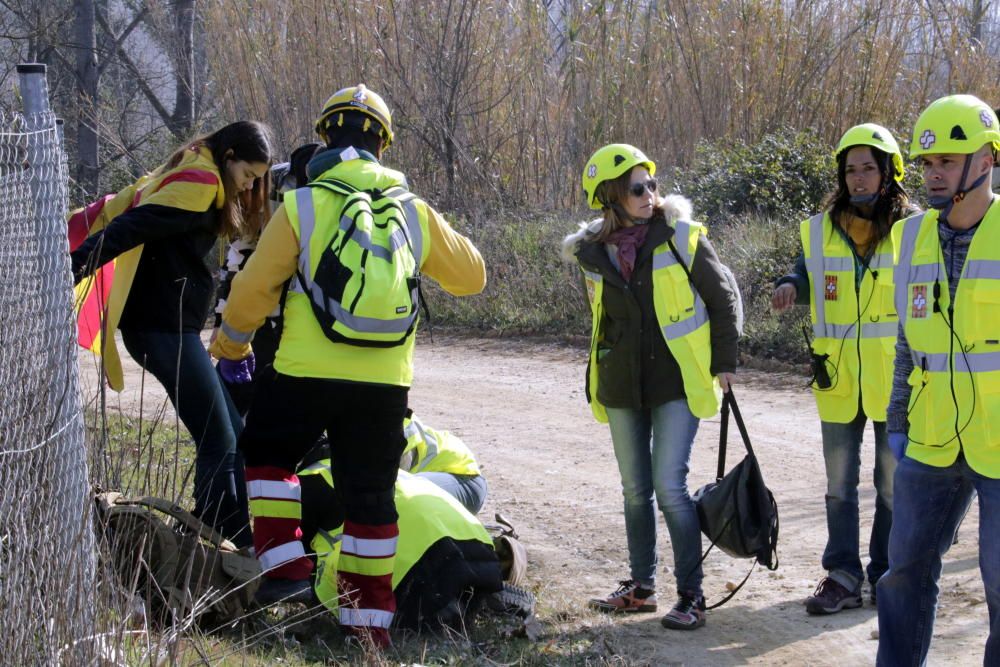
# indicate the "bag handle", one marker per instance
pixel 729 405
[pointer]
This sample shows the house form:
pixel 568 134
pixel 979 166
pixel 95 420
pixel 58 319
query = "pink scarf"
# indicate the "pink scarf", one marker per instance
pixel 628 240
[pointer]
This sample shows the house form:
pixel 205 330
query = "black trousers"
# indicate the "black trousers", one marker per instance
pixel 364 423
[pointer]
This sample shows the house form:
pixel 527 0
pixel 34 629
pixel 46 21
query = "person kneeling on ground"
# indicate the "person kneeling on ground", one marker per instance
pixel 445 564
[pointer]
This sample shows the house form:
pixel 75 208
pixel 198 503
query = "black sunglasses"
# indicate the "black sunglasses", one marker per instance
pixel 639 189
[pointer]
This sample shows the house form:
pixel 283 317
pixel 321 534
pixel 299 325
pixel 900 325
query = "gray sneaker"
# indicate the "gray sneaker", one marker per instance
pixel 831 597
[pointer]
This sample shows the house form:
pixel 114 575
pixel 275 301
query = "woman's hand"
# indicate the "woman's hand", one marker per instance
pixel 726 380
pixel 783 298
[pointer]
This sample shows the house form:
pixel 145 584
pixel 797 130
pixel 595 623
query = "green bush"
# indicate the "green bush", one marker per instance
pixel 529 289
pixel 785 175
pixel 760 249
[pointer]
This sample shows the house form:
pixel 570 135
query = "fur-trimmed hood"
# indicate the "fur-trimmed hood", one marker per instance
pixel 675 207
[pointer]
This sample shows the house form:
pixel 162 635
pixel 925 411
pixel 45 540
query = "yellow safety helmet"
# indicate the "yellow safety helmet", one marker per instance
pixel 876 136
pixel 959 124
pixel 359 99
pixel 608 163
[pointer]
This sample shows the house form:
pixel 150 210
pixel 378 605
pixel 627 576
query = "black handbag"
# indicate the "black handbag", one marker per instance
pixel 737 512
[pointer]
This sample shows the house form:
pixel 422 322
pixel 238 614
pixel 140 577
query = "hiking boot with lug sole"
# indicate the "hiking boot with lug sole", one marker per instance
pixel 830 597
pixel 630 597
pixel 687 614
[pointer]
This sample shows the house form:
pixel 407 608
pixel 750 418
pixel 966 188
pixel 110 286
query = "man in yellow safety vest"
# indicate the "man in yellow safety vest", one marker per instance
pixel 944 412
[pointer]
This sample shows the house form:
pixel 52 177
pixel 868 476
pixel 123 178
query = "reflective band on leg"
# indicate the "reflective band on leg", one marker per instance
pixel 371 618
pixel 275 509
pixel 286 490
pixel 367 547
pixel 279 555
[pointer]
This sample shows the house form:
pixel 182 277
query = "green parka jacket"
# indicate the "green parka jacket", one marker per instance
pixel 646 374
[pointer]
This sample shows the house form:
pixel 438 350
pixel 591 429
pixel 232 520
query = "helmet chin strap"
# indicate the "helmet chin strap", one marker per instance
pixel 946 203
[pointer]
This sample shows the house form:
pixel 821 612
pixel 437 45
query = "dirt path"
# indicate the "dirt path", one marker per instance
pixel 551 470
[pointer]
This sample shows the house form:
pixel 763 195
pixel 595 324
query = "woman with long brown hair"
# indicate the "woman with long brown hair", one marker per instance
pixel 161 228
pixel 845 275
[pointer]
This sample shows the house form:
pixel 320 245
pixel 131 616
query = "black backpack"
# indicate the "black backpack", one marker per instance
pixel 737 512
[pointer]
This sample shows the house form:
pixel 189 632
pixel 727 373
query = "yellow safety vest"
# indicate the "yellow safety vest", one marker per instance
pixel 955 399
pixel 429 450
pixel 314 214
pixel 683 320
pixel 427 514
pixel 860 357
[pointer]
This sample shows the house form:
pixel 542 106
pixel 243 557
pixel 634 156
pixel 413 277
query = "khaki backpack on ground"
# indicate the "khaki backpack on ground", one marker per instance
pixel 179 565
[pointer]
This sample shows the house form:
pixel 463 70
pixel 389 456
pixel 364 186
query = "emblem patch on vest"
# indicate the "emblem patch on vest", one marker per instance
pixel 919 302
pixel 830 293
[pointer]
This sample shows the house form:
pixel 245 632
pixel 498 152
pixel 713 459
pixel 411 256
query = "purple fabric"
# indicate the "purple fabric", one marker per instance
pixel 237 371
pixel 628 241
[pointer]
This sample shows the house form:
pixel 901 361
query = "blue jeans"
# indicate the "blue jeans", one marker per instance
pixel 469 490
pixel 930 502
pixel 182 365
pixel 653 448
pixel 842 454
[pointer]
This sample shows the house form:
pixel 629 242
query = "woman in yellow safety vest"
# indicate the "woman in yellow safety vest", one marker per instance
pixel 663 348
pixel 151 238
pixel 845 275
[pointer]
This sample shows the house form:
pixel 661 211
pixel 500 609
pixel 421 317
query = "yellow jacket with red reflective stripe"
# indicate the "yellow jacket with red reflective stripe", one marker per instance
pixel 854 323
pixel 193 185
pixel 955 383
pixel 304 350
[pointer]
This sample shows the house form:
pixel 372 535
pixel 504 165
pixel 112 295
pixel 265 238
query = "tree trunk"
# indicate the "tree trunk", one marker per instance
pixel 87 78
pixel 183 116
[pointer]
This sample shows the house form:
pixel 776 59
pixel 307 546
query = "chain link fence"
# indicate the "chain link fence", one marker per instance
pixel 47 564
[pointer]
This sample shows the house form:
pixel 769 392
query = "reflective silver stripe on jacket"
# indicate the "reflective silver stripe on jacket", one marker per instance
pixel 665 259
pixel 596 277
pixel 839 331
pixel 236 335
pixel 814 266
pixel 882 260
pixel 967 362
pixel 905 273
pixel 682 231
pixel 879 329
pixel 415 428
pixel 307 225
pixel 982 268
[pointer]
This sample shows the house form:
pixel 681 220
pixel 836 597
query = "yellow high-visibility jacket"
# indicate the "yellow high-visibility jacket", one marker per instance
pixel 304 350
pixel 955 383
pixel 856 327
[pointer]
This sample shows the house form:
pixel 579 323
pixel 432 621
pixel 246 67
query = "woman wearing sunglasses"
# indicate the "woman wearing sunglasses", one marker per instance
pixel 663 348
